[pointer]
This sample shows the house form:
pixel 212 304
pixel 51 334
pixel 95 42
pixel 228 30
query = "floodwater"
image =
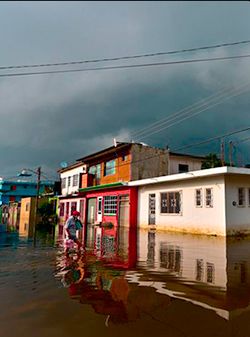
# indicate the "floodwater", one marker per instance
pixel 125 284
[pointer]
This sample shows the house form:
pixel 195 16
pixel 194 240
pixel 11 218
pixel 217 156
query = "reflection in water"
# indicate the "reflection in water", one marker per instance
pixel 126 283
pixel 195 269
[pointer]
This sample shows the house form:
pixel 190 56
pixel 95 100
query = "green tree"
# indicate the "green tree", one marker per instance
pixel 210 161
pixel 47 215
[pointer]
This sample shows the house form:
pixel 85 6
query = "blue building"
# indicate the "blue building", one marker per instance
pixel 14 191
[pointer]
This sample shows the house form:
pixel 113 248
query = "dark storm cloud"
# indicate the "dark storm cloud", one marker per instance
pixel 54 118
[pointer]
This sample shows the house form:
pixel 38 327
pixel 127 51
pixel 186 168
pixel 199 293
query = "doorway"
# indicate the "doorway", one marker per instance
pixel 91 210
pixel 151 209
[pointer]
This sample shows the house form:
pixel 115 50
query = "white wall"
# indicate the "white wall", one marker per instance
pixel 237 217
pixel 203 220
pixel 174 161
pixel 70 173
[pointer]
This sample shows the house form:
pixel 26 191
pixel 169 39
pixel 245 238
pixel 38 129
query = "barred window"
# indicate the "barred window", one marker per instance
pixel 75 179
pixel 198 197
pixel 171 202
pixel 241 196
pixel 110 205
pixel 63 182
pixel 209 197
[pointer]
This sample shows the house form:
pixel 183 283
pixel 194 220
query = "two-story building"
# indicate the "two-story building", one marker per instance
pixel 97 184
pixel 104 196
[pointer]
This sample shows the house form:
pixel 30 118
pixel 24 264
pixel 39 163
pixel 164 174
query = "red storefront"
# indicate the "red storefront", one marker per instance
pixel 114 204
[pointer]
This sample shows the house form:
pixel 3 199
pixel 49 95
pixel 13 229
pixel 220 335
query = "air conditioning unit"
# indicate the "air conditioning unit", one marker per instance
pixel 84 169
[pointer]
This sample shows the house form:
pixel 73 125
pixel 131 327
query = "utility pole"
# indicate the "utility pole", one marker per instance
pixel 231 153
pixel 222 154
pixel 38 172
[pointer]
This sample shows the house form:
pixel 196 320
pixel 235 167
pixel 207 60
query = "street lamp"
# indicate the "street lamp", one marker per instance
pixel 25 173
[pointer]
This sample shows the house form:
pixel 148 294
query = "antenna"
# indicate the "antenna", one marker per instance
pixel 115 143
pixel 63 164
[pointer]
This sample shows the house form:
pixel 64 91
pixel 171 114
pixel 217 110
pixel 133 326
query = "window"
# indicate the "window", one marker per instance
pixel 109 167
pixel 170 202
pixel 249 197
pixel 27 207
pixel 96 171
pixel 62 209
pixel 124 157
pixel 198 197
pixel 110 205
pixel 210 272
pixel 69 181
pixel 241 196
pixel 209 197
pixel 73 206
pixel 75 179
pixel 199 270
pixel 183 168
pixel 63 182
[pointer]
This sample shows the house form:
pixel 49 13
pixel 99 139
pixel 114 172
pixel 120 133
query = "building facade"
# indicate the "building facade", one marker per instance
pixel 14 191
pixel 214 201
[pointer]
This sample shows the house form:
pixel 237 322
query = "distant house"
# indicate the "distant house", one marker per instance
pixel 212 201
pixel 14 191
pixel 181 163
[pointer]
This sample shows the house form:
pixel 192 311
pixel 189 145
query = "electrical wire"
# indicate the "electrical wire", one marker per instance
pixel 201 103
pixel 236 93
pixel 211 139
pixel 139 65
pixel 221 45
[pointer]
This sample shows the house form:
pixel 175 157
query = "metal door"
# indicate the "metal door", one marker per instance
pixel 91 210
pixel 151 209
pixel 124 211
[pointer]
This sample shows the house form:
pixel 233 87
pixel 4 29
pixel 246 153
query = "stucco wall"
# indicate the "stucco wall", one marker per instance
pixel 147 162
pixel 238 217
pixel 200 220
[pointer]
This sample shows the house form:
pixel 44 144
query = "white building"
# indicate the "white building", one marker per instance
pixel 213 201
pixel 71 178
pixel 180 163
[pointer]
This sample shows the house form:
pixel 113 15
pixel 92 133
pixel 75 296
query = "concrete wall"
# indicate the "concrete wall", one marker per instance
pixel 174 161
pixel 192 219
pixel 27 218
pixel 237 217
pixel 148 162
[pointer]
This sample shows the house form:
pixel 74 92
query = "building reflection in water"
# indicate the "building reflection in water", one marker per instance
pixel 124 274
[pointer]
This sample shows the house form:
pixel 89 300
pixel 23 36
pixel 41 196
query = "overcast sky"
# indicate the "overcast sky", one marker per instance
pixel 48 119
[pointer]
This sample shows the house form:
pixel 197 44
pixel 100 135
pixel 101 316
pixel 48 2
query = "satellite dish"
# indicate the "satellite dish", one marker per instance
pixel 63 164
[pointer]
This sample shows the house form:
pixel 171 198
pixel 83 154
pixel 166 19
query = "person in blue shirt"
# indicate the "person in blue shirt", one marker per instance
pixel 72 225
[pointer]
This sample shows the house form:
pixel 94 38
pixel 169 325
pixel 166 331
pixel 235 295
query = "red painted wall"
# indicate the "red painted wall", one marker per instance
pixel 133 198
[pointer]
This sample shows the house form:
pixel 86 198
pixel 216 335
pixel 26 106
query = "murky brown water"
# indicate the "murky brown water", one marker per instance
pixel 126 284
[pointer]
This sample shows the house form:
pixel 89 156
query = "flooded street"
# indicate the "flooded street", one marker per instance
pixel 125 284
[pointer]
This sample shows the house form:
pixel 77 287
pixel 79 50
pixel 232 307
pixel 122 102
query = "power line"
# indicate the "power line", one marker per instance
pixel 127 66
pixel 222 45
pixel 235 93
pixel 201 103
pixel 213 138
